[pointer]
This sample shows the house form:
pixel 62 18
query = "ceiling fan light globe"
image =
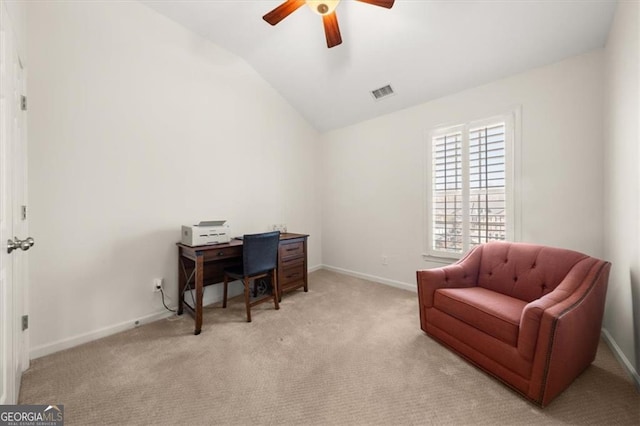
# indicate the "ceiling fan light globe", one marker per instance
pixel 323 7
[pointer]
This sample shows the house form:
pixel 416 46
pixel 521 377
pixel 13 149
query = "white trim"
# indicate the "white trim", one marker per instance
pixel 622 359
pixel 398 284
pixel 79 339
pixel 513 155
pixel 617 352
pixel 440 259
pixel 516 172
pixel 314 268
pixel 208 298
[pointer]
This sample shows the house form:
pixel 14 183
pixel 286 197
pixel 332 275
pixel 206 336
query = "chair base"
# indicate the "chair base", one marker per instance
pixel 246 281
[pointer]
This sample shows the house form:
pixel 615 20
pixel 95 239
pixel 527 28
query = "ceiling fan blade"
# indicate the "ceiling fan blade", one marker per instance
pixel 282 11
pixel 382 3
pixel 331 29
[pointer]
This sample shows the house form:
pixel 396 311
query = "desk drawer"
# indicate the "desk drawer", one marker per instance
pixel 291 250
pixel 291 271
pixel 223 253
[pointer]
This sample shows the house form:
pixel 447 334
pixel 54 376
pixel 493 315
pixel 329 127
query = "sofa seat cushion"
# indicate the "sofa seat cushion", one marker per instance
pixel 494 313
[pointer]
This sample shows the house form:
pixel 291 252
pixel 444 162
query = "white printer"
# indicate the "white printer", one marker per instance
pixel 206 233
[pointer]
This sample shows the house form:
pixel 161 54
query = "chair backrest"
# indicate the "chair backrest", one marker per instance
pixel 260 252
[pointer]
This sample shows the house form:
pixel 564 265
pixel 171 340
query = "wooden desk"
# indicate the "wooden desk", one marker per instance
pixel 204 265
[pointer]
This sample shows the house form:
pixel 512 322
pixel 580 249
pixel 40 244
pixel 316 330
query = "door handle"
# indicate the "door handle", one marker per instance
pixel 11 246
pixel 23 245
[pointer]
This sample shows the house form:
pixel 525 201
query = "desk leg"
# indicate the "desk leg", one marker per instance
pixel 199 292
pixel 182 282
pixel 306 278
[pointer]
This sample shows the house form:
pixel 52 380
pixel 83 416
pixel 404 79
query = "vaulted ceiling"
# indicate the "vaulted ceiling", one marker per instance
pixel 424 49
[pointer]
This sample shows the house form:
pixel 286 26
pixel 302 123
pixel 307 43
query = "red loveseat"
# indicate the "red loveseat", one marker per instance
pixel 529 315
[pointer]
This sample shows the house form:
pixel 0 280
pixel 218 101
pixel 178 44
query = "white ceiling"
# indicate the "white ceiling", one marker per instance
pixel 425 49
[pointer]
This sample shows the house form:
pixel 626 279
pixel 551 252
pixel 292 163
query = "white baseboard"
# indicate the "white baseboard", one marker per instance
pixel 49 348
pixel 314 268
pixel 212 294
pixel 215 296
pixel 392 283
pixel 622 359
pixel 208 298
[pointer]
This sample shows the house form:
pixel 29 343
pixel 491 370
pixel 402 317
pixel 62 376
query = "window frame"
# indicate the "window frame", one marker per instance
pixel 511 120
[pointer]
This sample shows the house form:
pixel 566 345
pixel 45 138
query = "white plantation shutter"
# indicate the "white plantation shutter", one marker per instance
pixel 487 180
pixel 469 186
pixel 447 192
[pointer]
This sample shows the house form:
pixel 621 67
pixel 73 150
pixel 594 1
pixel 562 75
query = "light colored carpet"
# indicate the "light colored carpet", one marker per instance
pixel 348 352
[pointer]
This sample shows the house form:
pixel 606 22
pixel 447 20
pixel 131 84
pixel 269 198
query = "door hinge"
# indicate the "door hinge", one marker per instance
pixel 23 103
pixel 23 212
pixel 25 322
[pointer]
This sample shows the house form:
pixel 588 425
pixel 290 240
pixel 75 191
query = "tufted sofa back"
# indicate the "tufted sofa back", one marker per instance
pixel 524 271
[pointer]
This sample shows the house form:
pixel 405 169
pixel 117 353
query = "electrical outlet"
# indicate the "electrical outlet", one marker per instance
pixel 385 260
pixel 157 284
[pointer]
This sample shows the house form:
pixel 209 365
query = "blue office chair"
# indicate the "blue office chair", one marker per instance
pixel 259 260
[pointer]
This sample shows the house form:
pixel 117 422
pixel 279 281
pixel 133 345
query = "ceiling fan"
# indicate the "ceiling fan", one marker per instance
pixel 324 8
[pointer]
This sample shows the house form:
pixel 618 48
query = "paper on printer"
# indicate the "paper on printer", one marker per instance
pixel 206 233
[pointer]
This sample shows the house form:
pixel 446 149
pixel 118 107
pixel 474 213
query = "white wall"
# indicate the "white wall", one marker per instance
pixel 622 187
pixel 373 172
pixel 138 126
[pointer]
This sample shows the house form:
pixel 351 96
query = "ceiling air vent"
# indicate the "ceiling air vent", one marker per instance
pixel 382 92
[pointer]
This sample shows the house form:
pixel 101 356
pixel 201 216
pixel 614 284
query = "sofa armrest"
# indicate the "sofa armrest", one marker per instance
pixel 569 333
pixel 532 314
pixel 530 322
pixel 463 273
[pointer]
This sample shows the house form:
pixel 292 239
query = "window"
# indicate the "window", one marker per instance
pixel 470 186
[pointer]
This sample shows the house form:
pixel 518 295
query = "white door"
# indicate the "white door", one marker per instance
pixel 13 344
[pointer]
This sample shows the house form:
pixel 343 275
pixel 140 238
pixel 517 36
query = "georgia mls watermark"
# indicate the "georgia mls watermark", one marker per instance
pixel 31 415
